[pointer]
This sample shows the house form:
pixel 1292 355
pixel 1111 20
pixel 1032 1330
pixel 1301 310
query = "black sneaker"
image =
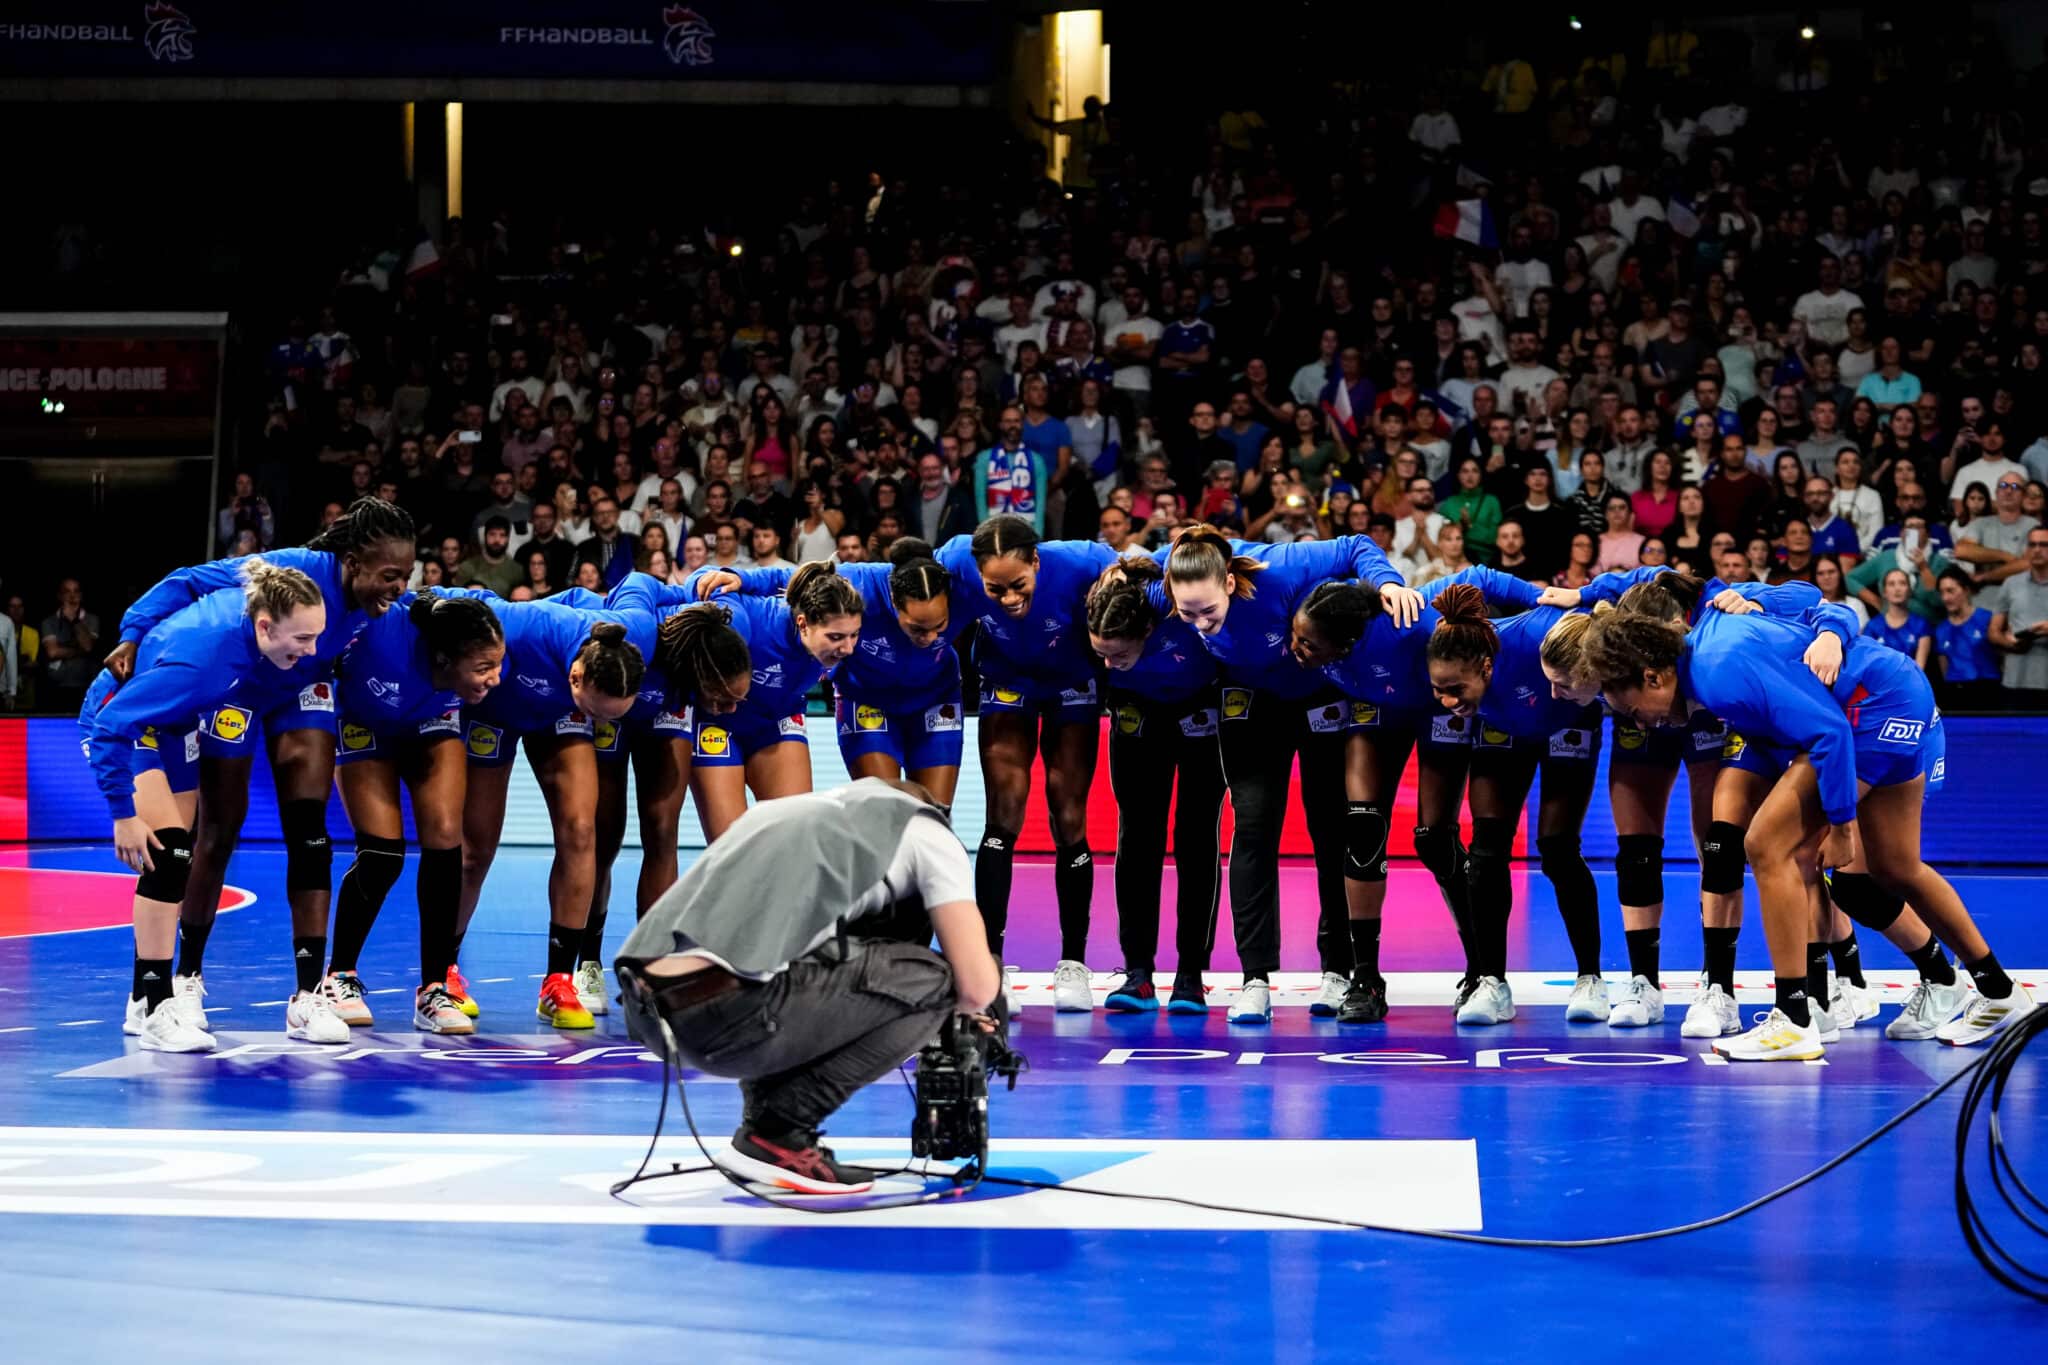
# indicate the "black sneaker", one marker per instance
pixel 1133 993
pixel 1364 1003
pixel 792 1161
pixel 1188 995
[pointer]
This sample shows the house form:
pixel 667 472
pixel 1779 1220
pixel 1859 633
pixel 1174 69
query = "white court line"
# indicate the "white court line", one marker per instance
pixel 387 990
pixel 19 1028
pixel 492 980
pixel 80 1023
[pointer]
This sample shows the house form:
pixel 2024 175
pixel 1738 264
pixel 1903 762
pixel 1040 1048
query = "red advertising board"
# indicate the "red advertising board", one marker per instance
pixel 125 380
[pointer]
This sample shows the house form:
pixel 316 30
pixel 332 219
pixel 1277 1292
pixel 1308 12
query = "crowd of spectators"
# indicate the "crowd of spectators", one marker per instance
pixel 1564 318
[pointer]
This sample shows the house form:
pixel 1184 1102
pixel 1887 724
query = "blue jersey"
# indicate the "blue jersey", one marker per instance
pixel 1905 638
pixel 888 670
pixel 541 640
pixel 636 604
pixel 384 680
pixel 784 671
pixel 1966 649
pixel 1838 537
pixel 1390 667
pixel 182 587
pixel 1049 643
pixel 1173 667
pixel 200 656
pixel 1251 646
pixel 1751 672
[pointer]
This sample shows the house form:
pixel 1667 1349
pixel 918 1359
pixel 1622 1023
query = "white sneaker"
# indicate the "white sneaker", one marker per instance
pixel 1774 1039
pixel 1824 1022
pixel 187 993
pixel 1712 1014
pixel 1072 992
pixel 310 1018
pixel 1254 1004
pixel 135 1017
pixel 1928 1007
pixel 1588 1004
pixel 343 992
pixel 166 1029
pixel 435 1011
pixel 1327 1000
pixel 1852 1004
pixel 1641 1004
pixel 590 988
pixel 1986 1017
pixel 1491 1002
pixel 1010 1000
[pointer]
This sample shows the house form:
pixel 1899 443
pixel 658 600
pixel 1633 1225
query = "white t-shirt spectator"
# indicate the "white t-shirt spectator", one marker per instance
pixel 1862 509
pixel 1010 336
pixel 1626 218
pixel 530 386
pixel 1478 322
pixel 1132 378
pixel 1826 315
pixel 1517 380
pixel 1518 280
pixel 1604 268
pixel 1985 471
pixel 1724 120
pixel 1411 553
pixel 1438 132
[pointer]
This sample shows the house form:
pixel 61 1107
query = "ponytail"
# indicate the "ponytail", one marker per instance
pixel 698 648
pixel 1119 607
pixel 817 593
pixel 1464 635
pixel 611 664
pixel 916 577
pixel 1669 596
pixel 1202 554
pixel 454 627
pixel 275 591
pixel 1340 612
pixel 1004 537
pixel 1564 649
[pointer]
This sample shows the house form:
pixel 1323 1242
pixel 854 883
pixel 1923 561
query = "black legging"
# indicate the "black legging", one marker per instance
pixel 1148 746
pixel 1499 788
pixel 1260 739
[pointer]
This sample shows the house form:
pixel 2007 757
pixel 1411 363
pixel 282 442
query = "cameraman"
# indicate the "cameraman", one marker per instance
pixel 791 956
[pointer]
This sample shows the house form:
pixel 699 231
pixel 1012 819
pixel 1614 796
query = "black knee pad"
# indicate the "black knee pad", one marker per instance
pixel 1554 850
pixel 1639 868
pixel 1439 849
pixel 1365 842
pixel 377 865
pixel 1721 859
pixel 309 856
pixel 165 881
pixel 1493 842
pixel 1859 897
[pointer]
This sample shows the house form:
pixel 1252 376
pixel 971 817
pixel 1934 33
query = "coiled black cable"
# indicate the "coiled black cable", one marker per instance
pixel 1988 1078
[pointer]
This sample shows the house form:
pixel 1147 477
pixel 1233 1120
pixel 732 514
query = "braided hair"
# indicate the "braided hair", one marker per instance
pixel 1004 537
pixel 1119 607
pixel 611 663
pixel 1669 596
pixel 1202 554
pixel 1464 635
pixel 1340 613
pixel 368 522
pixel 275 591
pixel 817 593
pixel 700 650
pixel 916 576
pixel 454 627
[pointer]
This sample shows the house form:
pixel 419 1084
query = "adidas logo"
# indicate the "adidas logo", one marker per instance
pixel 303 953
pixel 151 976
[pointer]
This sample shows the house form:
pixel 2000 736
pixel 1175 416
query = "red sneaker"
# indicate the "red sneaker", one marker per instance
pixel 560 1005
pixel 458 990
pixel 793 1162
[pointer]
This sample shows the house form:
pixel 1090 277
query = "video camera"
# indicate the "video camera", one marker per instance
pixel 951 1121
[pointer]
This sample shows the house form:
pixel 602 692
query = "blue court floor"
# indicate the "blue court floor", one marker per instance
pixel 407 1197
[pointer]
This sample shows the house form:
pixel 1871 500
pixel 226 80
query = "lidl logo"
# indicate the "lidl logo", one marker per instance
pixel 713 741
pixel 1129 720
pixel 870 718
pixel 1630 736
pixel 148 740
pixel 231 724
pixel 1237 703
pixel 357 738
pixel 1489 735
pixel 607 736
pixel 1364 713
pixel 1733 746
pixel 484 741
pixel 1009 697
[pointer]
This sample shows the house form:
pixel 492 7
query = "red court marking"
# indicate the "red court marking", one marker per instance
pixel 47 900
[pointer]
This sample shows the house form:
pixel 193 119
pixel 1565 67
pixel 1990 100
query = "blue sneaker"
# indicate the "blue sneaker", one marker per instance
pixel 1133 994
pixel 1188 996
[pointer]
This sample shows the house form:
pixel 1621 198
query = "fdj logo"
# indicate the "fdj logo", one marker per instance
pixel 1902 732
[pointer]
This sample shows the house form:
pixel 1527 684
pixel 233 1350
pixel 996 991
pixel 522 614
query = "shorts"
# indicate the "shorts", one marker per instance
pixel 356 741
pixel 231 731
pixel 1899 735
pixel 729 741
pixel 1075 705
pixel 1667 746
pixel 1438 731
pixel 495 746
pixel 1135 717
pixel 174 753
pixel 916 737
pixel 1576 743
pixel 615 739
pixel 1744 756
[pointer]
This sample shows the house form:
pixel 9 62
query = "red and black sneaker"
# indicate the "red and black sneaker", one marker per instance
pixel 1133 993
pixel 792 1161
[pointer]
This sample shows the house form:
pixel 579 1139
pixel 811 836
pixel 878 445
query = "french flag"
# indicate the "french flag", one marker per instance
pixel 425 259
pixel 1467 220
pixel 1347 403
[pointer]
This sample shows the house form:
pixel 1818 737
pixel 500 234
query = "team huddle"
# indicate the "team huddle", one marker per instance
pixel 1222 665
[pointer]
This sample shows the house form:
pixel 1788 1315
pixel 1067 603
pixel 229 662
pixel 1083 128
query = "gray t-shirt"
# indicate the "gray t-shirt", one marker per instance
pixel 1994 534
pixel 2024 600
pixel 1818 453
